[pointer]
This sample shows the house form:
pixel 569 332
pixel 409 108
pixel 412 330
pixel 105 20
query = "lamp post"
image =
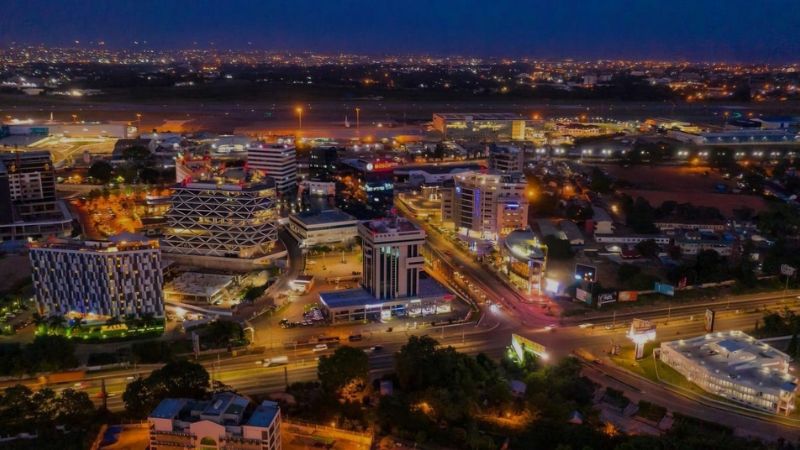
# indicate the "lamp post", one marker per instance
pixel 299 111
pixel 358 120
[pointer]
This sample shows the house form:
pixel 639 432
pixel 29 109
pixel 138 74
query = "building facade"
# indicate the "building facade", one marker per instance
pixel 486 126
pixel 392 260
pixel 102 279
pixel 733 365
pixel 277 161
pixel 366 187
pixel 226 422
pixel 322 163
pixel 222 220
pixel 322 228
pixel 28 204
pixel 487 205
pixel 506 159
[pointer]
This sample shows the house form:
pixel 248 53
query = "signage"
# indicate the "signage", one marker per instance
pixel 709 320
pixel 551 285
pixel 628 296
pixel 585 272
pixel 584 296
pixel 664 288
pixel 522 345
pixel 787 270
pixel 606 297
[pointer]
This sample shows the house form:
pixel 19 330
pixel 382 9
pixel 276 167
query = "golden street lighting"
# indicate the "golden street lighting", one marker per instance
pixel 299 111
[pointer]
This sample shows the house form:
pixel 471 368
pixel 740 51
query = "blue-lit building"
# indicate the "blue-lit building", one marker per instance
pixel 365 188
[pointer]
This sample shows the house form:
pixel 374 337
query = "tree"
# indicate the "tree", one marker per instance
pixel 648 248
pixel 101 171
pixel 175 379
pixel 346 365
pixel 627 272
pixel 557 249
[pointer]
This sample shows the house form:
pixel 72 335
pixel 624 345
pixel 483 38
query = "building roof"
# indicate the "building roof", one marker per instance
pixel 600 215
pixel 264 414
pixel 323 217
pixel 478 116
pixel 427 288
pixel 743 359
pixel 197 283
pixel 524 245
pixel 169 408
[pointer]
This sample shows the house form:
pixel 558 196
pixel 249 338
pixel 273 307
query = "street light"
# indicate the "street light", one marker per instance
pixel 139 121
pixel 358 120
pixel 299 111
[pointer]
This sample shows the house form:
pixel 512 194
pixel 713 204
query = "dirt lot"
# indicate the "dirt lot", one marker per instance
pixel 683 185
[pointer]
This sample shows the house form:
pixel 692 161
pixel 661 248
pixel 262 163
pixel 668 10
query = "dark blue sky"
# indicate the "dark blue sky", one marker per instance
pixel 734 30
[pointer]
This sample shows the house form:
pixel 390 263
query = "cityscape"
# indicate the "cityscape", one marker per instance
pixel 364 227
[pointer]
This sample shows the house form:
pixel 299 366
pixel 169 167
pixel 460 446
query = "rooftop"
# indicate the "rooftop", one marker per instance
pixel 383 226
pixel 428 288
pixel 742 358
pixel 323 217
pixel 478 116
pixel 264 414
pixel 197 283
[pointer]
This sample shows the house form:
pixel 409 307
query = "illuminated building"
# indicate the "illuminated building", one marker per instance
pixel 487 205
pixel 225 422
pixel 322 228
pixel 506 159
pixel 28 204
pixel 277 161
pixel 393 282
pixel 366 185
pixel 210 219
pixel 480 126
pixel 524 260
pixel 322 163
pixel 735 366
pixel 107 279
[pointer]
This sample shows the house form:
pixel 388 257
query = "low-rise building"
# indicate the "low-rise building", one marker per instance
pixel 735 366
pixel 693 242
pixel 603 223
pixel 199 288
pixel 524 259
pixel 323 227
pixel 226 422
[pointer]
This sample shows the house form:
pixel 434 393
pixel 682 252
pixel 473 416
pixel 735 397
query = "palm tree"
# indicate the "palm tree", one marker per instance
pixel 56 324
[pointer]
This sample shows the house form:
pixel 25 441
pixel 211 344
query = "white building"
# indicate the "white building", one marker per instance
pixel 733 365
pixel 322 228
pixel 487 205
pixel 603 223
pixel 277 161
pixel 226 422
pixel 222 220
pixel 102 279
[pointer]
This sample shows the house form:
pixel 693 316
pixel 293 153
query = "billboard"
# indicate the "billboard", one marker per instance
pixel 585 272
pixel 524 345
pixel 709 320
pixel 664 288
pixel 606 297
pixel 552 286
pixel 584 296
pixel 628 296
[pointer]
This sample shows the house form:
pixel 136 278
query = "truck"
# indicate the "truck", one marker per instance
pixel 63 377
pixel 276 361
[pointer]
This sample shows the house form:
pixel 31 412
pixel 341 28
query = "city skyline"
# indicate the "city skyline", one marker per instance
pixel 594 30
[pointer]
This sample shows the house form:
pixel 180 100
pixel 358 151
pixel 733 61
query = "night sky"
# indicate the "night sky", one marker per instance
pixel 698 30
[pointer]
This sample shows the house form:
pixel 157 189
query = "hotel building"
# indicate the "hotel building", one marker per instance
pixel 226 422
pixel 277 161
pixel 104 279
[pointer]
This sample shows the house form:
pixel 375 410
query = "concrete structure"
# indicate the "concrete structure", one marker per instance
pixel 634 239
pixel 506 158
pixel 103 279
pixel 226 422
pixel 487 205
pixel 199 288
pixel 733 365
pixel 486 126
pixel 277 161
pixel 28 204
pixel 392 284
pixel 432 175
pixel 693 242
pixel 524 260
pixel 323 228
pixel 208 219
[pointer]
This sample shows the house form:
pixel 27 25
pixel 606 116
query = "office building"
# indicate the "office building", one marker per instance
pixel 89 279
pixel 506 159
pixel 524 260
pixel 226 422
pixel 393 283
pixel 487 205
pixel 28 204
pixel 276 161
pixel 366 187
pixel 328 227
pixel 480 126
pixel 322 163
pixel 222 220
pixel 735 366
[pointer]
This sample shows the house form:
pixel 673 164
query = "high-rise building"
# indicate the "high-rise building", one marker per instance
pixel 322 163
pixel 97 279
pixel 226 422
pixel 210 219
pixel 394 283
pixel 28 204
pixel 506 159
pixel 392 260
pixel 487 205
pixel 366 187
pixel 277 161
